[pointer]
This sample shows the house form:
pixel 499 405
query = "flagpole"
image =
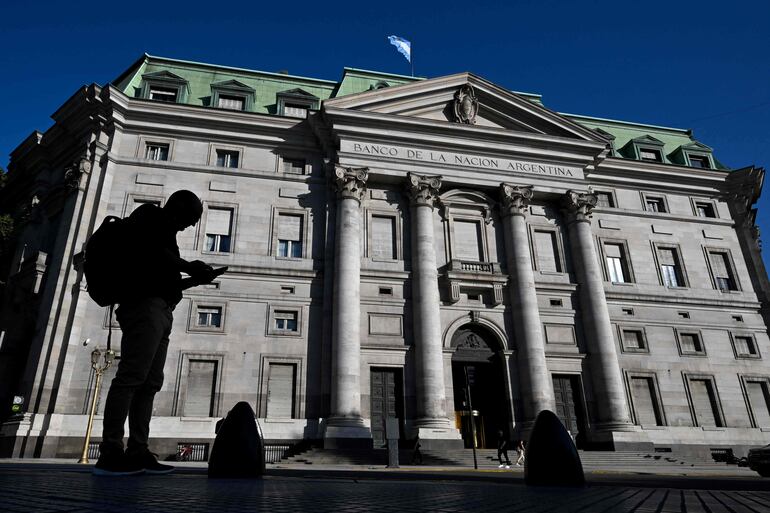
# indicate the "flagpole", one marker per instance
pixel 411 59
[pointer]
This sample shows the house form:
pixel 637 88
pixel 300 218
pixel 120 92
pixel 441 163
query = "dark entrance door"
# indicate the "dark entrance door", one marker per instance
pixel 386 400
pixel 569 406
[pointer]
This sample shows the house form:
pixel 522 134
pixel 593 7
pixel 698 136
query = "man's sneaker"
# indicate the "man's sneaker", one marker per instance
pixel 500 466
pixel 116 464
pixel 147 461
pixel 507 466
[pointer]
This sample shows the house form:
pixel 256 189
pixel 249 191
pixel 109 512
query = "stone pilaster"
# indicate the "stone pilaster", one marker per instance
pixel 432 421
pixel 345 421
pixel 536 383
pixel 603 358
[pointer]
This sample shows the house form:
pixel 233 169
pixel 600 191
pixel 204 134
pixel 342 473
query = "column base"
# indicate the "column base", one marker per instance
pixel 619 436
pixel 437 434
pixel 347 433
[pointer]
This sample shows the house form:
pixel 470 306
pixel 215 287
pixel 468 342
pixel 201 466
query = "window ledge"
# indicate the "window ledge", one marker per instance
pixel 712 428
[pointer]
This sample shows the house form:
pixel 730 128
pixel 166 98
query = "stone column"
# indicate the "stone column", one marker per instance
pixel 431 396
pixel 537 386
pixel 345 421
pixel 609 392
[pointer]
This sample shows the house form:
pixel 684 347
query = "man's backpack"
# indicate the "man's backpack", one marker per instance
pixel 106 261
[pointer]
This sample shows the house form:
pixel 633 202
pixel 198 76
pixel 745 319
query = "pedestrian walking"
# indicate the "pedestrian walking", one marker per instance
pixel 502 449
pixel 145 318
pixel 520 449
pixel 417 455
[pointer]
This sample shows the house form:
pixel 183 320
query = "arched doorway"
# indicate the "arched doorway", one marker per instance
pixel 478 354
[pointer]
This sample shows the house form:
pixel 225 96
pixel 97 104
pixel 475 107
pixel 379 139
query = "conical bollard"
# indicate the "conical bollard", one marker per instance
pixel 238 450
pixel 552 458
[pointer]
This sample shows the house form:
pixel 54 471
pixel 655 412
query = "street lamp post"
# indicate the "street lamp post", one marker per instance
pixel 109 357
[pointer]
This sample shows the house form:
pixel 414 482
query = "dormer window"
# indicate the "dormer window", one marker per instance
pixel 164 86
pixel 694 154
pixel 230 102
pixel 701 161
pixel 164 94
pixel 296 103
pixel 232 95
pixel 650 155
pixel 646 148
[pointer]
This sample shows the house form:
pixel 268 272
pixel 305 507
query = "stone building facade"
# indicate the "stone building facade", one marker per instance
pixel 393 242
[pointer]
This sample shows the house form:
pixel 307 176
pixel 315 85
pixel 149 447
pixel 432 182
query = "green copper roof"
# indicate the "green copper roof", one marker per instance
pixel 266 86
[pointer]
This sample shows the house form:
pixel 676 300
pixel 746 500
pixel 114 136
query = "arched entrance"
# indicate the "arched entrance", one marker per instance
pixel 478 353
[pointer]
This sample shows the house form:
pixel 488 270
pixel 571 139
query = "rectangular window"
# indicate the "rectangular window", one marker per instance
pixel 219 230
pixel 201 386
pixel 230 102
pixel 227 158
pixel 670 267
pixel 209 316
pixel 646 409
pixel 156 151
pixel 745 346
pixel 293 110
pixel 654 204
pixel 280 390
pixel 383 237
pixel 650 155
pixel 294 166
pixel 724 278
pixel 547 250
pixel 289 235
pixel 467 243
pixel 759 402
pixel 633 340
pixel 700 161
pixel 691 344
pixel 285 320
pixel 704 402
pixel 704 209
pixel 604 199
pixel 164 94
pixel 617 267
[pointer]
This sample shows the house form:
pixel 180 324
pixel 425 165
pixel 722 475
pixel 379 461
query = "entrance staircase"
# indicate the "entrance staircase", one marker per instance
pixel 487 458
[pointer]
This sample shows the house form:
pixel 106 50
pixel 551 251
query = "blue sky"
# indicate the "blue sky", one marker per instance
pixel 701 65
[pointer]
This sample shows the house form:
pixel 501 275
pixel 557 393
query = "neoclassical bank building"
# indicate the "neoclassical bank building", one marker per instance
pixel 397 247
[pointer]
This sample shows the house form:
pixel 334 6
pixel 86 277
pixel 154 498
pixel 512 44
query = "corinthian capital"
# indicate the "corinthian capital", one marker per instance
pixel 350 182
pixel 515 198
pixel 580 204
pixel 423 189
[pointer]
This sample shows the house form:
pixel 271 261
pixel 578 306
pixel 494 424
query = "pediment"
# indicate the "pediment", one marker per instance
pixel 298 93
pixel 232 85
pixel 468 100
pixel 164 76
pixel 647 139
pixel 697 146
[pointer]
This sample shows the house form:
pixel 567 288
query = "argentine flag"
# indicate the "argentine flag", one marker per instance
pixel 403 46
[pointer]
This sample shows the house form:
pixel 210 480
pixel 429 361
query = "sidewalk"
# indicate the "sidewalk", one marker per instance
pixel 64 486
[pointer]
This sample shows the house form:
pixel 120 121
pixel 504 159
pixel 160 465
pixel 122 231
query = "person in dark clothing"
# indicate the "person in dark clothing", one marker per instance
pixel 417 455
pixel 502 449
pixel 145 318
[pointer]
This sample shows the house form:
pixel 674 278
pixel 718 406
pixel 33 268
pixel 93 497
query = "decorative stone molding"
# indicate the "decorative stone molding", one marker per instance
pixel 580 205
pixel 423 189
pixel 350 182
pixel 515 198
pixel 74 173
pixel 466 105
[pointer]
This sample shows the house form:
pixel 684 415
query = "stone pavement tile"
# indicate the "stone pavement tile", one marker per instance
pixel 749 500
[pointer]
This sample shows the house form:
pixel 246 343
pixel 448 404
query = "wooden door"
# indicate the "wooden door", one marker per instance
pixel 385 401
pixel 280 390
pixel 564 388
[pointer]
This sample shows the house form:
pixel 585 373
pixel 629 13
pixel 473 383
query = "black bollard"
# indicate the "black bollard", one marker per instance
pixel 238 449
pixel 552 458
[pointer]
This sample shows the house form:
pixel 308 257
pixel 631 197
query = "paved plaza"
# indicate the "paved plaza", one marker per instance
pixel 56 487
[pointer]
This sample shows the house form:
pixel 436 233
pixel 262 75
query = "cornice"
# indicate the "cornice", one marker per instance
pixel 691 300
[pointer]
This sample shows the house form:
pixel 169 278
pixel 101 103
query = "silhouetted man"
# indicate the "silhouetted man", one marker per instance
pixel 145 318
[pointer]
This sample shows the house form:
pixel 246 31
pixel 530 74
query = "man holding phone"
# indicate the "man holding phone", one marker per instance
pixel 145 318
